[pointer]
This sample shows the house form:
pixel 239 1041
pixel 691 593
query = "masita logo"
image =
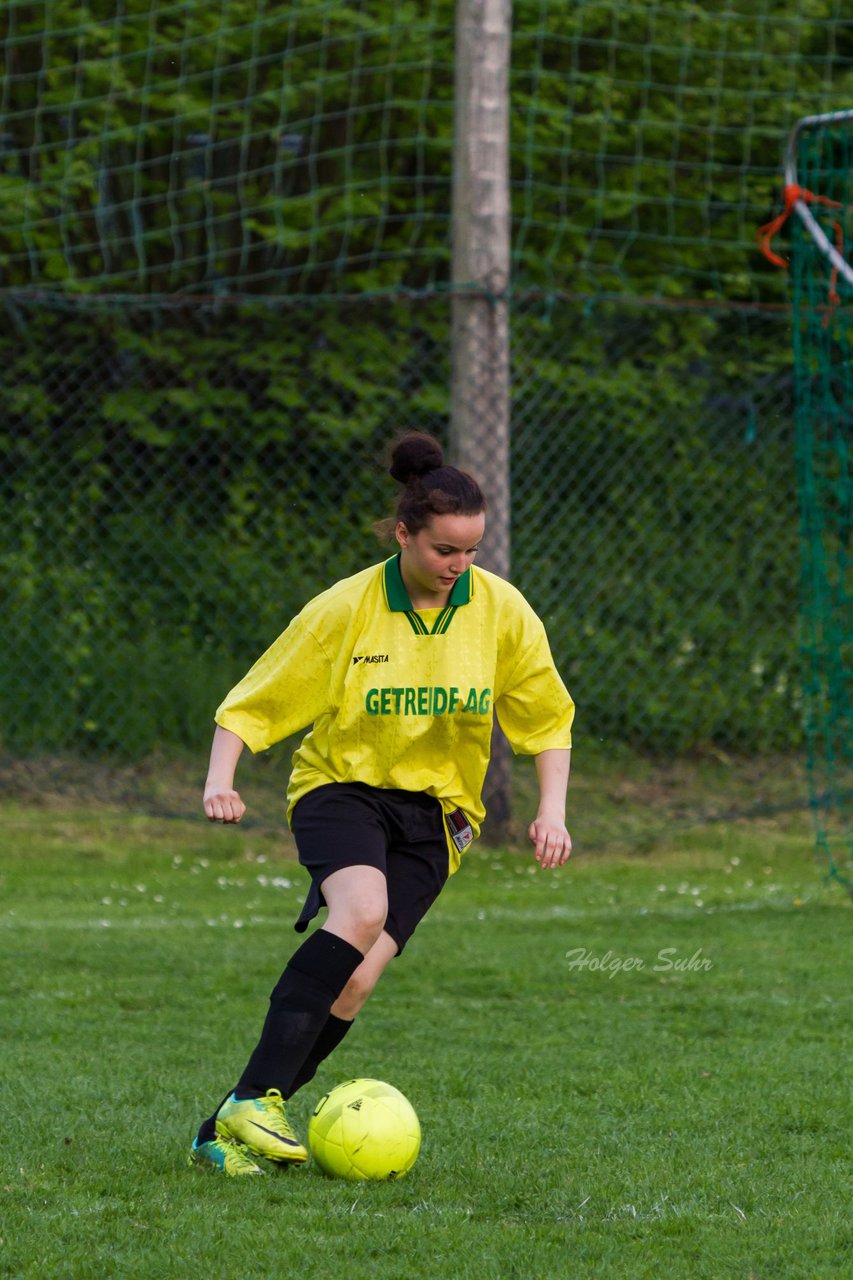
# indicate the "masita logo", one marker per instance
pixel 369 657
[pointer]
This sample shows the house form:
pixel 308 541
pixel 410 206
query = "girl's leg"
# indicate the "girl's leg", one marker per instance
pixel 415 872
pixel 315 976
pixel 365 977
pixel 347 1005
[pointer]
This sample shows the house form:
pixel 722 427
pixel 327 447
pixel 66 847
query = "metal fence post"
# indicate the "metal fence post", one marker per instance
pixel 481 266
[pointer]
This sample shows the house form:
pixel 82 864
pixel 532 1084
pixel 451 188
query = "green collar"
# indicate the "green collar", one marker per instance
pixel 397 598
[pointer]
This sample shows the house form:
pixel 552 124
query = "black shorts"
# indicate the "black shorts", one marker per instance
pixel 348 824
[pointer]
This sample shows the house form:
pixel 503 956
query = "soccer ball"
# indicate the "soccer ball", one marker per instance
pixel 364 1130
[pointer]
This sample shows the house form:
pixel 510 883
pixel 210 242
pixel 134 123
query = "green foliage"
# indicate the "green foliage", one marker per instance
pixel 174 495
pixel 183 525
pixel 658 543
pixel 179 478
pixel 307 148
pixel 188 144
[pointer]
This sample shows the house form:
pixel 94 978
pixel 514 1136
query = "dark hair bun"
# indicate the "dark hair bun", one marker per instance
pixel 414 455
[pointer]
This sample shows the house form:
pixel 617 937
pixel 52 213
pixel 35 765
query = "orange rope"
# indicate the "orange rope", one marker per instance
pixel 791 195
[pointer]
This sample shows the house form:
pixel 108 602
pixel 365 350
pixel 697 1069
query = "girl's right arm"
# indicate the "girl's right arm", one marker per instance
pixel 221 802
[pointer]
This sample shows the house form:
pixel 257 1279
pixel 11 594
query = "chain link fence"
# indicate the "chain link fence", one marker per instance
pixel 178 481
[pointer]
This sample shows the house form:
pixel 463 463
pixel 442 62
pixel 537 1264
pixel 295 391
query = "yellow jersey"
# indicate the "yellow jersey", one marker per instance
pixel 405 698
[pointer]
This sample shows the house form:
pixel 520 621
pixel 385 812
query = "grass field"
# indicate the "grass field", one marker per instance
pixel 634 1067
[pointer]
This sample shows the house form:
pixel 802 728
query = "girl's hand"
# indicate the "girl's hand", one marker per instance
pixel 222 804
pixel 551 840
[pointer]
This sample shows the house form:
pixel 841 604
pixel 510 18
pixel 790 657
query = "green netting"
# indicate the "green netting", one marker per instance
pixel 823 344
pixel 153 148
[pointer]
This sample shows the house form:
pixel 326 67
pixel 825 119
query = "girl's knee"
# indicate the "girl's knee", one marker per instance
pixel 357 898
pixel 360 924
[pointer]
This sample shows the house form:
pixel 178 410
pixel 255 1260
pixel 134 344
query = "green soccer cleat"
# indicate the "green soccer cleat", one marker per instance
pixel 261 1124
pixel 224 1156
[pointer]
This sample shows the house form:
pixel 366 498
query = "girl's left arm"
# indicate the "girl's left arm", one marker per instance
pixel 547 831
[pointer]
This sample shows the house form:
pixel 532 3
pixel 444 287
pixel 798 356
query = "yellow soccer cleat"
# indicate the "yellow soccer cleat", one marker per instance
pixel 261 1124
pixel 224 1156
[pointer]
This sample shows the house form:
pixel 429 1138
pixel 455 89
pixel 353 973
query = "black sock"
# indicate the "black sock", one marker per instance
pixel 299 1009
pixel 207 1132
pixel 329 1038
pixel 327 1041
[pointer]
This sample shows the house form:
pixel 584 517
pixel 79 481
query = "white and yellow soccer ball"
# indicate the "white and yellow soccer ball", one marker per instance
pixel 364 1130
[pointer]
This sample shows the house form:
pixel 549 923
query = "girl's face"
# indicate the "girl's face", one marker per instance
pixel 434 558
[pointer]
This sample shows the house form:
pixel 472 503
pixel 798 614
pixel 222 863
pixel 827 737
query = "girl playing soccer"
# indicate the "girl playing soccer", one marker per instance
pixel 399 671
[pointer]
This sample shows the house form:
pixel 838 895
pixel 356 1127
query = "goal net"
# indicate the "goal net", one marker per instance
pixel 819 168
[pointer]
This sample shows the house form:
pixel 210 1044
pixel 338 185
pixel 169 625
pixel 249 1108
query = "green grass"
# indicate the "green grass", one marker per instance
pixel 627 1121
